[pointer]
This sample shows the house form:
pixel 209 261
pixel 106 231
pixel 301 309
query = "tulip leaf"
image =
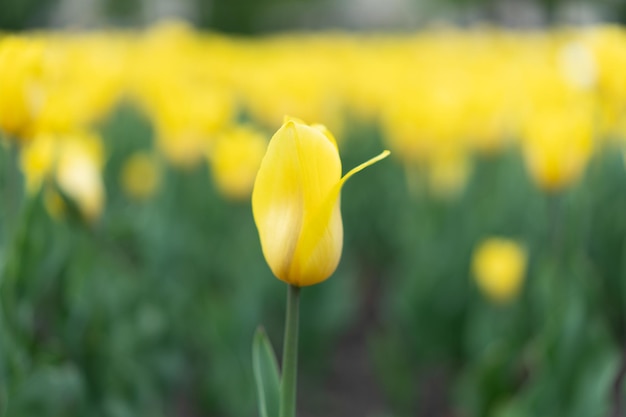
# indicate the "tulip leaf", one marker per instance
pixel 266 374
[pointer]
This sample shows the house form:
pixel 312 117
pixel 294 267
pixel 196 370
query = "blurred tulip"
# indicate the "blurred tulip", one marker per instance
pixel 578 66
pixel 20 70
pixel 499 266
pixel 185 131
pixel 82 79
pixel 558 145
pixel 448 171
pixel 296 203
pixel 37 161
pixel 235 160
pixel 436 94
pixel 78 173
pixel 74 162
pixel 141 176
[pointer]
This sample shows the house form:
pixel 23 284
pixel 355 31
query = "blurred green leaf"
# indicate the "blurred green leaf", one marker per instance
pixel 266 374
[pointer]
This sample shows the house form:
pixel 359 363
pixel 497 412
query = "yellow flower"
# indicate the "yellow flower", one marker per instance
pixel 78 173
pixel 296 204
pixel 37 161
pixel 235 160
pixel 81 81
pixel 499 266
pixel 141 176
pixel 449 169
pixel 558 145
pixel 20 70
pixel 184 132
pixel 74 161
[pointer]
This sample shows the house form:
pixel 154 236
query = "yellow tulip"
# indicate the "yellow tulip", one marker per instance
pixel 140 176
pixel 448 169
pixel 235 160
pixel 78 173
pixel 499 266
pixel 296 203
pixel 37 160
pixel 20 70
pixel 558 146
pixel 74 161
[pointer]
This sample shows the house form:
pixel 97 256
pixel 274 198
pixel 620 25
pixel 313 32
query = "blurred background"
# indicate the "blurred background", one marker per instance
pixel 252 17
pixel 484 263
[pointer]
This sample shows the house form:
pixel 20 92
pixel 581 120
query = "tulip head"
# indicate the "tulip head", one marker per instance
pixel 234 160
pixel 499 266
pixel 72 161
pixel 296 203
pixel 448 170
pixel 20 72
pixel 141 176
pixel 558 142
pixel 78 173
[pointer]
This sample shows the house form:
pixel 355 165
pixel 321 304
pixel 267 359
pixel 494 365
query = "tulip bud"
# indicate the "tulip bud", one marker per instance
pixel 78 173
pixel 74 162
pixel 141 176
pixel 20 71
pixel 235 159
pixel 296 204
pixel 558 146
pixel 499 266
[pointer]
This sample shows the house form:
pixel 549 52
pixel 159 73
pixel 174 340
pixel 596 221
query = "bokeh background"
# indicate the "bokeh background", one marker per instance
pixel 484 264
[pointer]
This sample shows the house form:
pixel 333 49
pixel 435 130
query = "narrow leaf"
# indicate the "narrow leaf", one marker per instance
pixel 266 374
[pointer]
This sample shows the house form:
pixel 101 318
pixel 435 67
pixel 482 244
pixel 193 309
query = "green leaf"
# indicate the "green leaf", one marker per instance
pixel 266 374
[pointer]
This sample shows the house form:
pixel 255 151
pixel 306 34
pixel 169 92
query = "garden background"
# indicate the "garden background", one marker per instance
pixel 132 278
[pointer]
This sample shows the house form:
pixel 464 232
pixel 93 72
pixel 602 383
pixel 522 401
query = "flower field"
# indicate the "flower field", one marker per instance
pixel 483 270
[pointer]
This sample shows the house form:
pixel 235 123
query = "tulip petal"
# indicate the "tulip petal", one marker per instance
pixel 326 133
pixel 319 248
pixel 300 168
pixel 364 165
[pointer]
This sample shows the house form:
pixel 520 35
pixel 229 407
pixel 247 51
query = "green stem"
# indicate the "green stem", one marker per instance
pixel 290 355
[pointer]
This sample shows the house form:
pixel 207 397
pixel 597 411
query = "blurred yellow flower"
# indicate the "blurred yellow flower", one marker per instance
pixel 82 79
pixel 296 203
pixel 78 173
pixel 235 160
pixel 436 95
pixel 558 144
pixel 448 171
pixel 140 176
pixel 37 161
pixel 499 266
pixel 578 65
pixel 185 131
pixel 20 69
pixel 74 161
